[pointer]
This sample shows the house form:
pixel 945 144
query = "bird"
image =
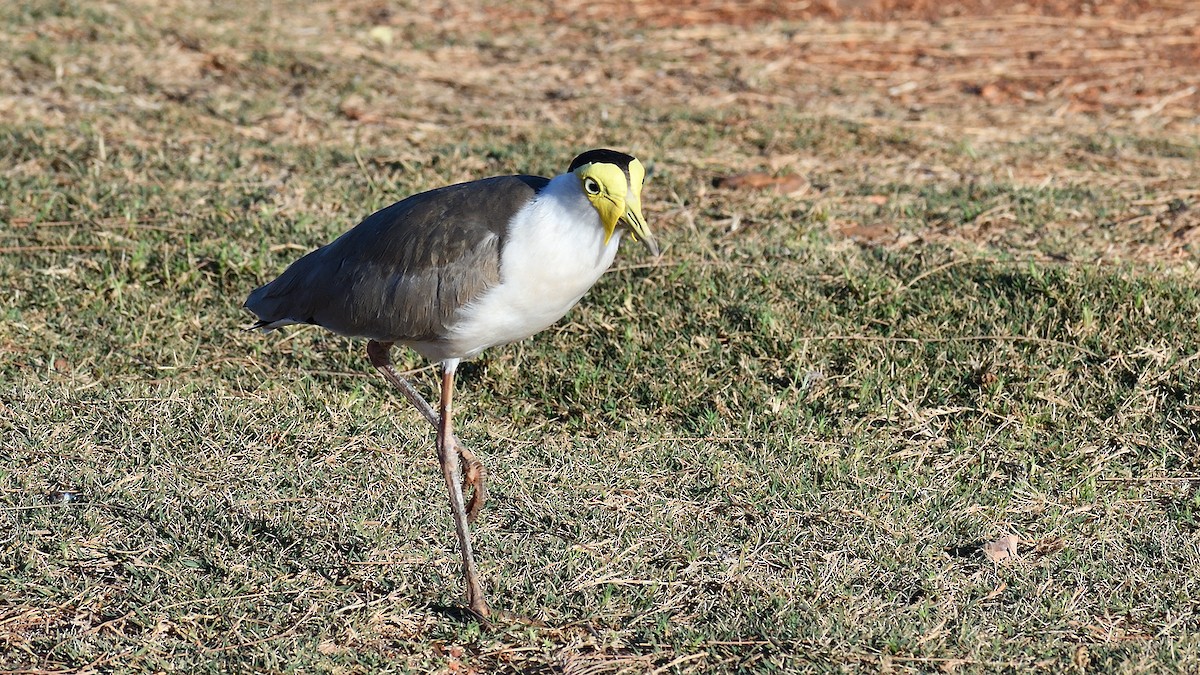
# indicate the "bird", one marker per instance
pixel 456 270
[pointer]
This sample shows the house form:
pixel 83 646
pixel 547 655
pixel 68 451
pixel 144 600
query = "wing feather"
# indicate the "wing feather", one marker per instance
pixel 402 274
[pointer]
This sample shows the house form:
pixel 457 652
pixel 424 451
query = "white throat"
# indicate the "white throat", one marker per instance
pixel 554 252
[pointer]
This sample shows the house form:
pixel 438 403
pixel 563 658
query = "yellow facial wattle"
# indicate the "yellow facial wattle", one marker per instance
pixel 616 200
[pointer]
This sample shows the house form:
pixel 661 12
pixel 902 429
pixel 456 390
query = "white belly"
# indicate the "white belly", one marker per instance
pixel 552 256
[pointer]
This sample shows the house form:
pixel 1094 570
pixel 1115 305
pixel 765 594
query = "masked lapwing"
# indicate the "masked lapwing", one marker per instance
pixel 453 271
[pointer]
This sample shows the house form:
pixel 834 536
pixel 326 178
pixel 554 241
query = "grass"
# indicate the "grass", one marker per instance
pixel 777 449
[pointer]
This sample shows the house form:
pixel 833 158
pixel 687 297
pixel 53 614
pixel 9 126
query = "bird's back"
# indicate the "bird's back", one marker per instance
pixel 402 274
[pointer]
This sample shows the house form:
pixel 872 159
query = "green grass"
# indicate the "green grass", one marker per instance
pixel 776 449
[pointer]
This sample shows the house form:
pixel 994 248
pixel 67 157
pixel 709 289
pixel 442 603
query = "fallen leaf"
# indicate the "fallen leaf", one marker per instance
pixel 1081 658
pixel 1049 546
pixel 352 106
pixel 328 647
pixel 383 35
pixel 1001 549
pixel 995 592
pixel 784 185
pixel 871 233
pixel 991 93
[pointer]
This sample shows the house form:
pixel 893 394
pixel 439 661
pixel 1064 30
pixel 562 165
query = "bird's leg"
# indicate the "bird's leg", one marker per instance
pixel 475 475
pixel 448 457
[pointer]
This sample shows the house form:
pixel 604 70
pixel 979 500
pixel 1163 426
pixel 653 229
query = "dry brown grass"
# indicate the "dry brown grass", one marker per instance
pixel 972 97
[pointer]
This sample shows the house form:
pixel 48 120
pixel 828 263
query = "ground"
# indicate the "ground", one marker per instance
pixel 928 288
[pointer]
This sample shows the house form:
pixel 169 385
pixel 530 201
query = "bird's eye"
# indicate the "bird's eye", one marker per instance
pixel 591 186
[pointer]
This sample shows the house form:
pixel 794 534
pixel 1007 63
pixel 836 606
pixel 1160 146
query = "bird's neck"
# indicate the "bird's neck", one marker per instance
pixel 564 214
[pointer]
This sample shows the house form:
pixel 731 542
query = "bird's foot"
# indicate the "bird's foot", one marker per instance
pixel 489 617
pixel 479 607
pixel 510 617
pixel 475 478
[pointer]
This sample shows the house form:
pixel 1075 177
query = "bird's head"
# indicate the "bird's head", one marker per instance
pixel 612 182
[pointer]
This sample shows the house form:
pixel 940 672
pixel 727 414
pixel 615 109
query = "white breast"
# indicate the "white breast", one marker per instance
pixel 554 252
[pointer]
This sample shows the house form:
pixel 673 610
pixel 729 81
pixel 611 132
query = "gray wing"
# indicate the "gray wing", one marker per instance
pixel 401 274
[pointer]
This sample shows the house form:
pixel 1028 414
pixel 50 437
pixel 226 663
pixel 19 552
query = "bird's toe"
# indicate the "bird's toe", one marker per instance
pixel 475 479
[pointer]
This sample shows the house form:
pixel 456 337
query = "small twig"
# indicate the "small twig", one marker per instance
pixel 1148 479
pixel 964 338
pixel 616 581
pixel 94 630
pixel 228 598
pixel 33 507
pixel 677 439
pixel 362 166
pixel 641 266
pixel 41 671
pixel 674 662
pixel 930 272
pixel 59 247
pixel 1162 103
pixel 289 246
pixel 285 633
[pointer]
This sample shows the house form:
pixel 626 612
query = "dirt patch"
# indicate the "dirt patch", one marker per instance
pixel 663 14
pixel 1132 58
pixel 848 98
pixel 1093 56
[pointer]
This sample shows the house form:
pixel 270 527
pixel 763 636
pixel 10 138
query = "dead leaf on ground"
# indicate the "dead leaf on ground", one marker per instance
pixel 869 233
pixel 1001 549
pixel 756 180
pixel 995 592
pixel 383 35
pixel 355 107
pixel 1081 658
pixel 1048 546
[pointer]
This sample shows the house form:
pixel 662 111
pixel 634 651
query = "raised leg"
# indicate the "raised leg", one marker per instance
pixel 475 475
pixel 448 457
